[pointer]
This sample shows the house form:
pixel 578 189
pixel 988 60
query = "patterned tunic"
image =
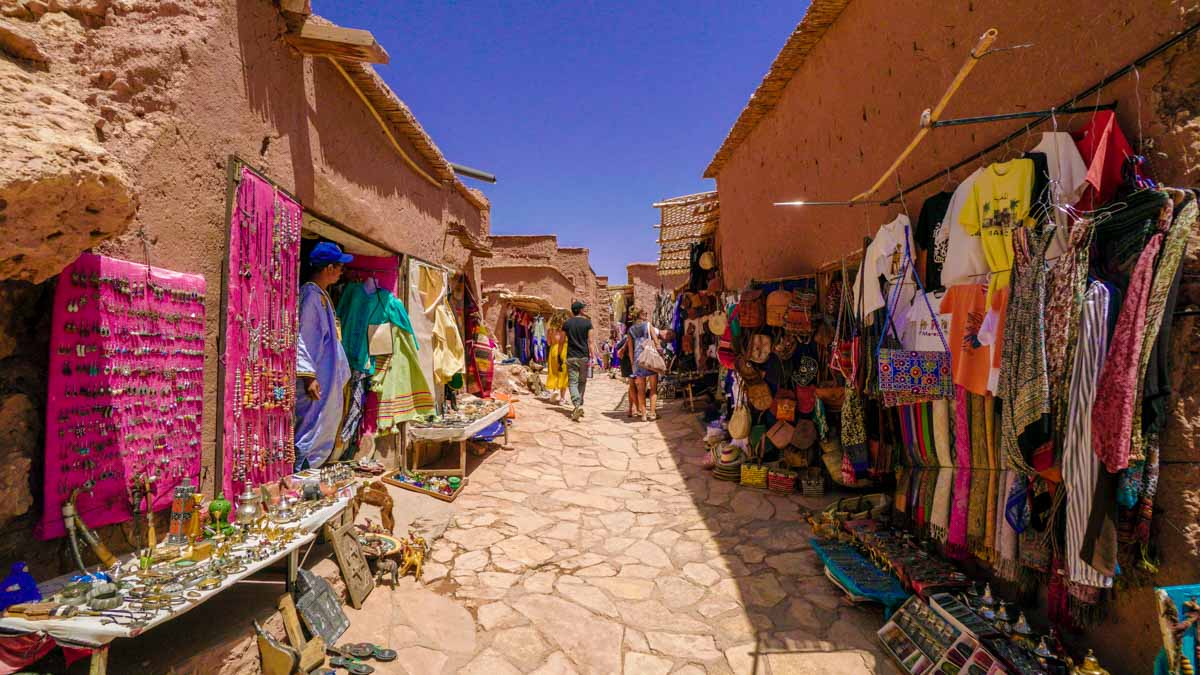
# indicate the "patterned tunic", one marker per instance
pixel 1024 380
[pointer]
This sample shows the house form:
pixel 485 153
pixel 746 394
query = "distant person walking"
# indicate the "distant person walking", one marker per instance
pixel 580 351
pixel 556 379
pixel 641 333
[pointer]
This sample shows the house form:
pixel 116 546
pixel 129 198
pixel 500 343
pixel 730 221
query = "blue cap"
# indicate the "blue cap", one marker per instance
pixel 327 253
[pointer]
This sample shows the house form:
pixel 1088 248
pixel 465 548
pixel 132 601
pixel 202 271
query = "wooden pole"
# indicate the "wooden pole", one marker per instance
pixel 929 116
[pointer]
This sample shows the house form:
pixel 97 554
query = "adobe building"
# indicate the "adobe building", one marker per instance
pixel 844 97
pixel 646 282
pixel 534 265
pixel 122 121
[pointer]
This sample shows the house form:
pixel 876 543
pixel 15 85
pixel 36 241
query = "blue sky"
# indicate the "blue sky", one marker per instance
pixel 587 112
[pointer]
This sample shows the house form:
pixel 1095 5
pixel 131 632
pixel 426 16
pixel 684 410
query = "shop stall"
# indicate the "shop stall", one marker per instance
pixel 997 361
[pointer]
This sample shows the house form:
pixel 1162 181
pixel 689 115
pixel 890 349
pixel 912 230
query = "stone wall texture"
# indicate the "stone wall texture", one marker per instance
pixel 855 103
pixel 120 119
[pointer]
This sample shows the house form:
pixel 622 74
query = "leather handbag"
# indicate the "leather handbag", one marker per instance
pixel 760 396
pixel 747 371
pixel 760 348
pixel 912 374
pixel 780 434
pixel 750 309
pixel 798 320
pixel 785 406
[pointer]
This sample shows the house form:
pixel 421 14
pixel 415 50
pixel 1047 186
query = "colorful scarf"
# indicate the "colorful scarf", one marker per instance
pixel 1006 565
pixel 940 519
pixel 1112 416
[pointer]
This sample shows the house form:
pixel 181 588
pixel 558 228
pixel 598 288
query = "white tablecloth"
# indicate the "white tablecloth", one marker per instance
pixel 89 631
pixel 449 434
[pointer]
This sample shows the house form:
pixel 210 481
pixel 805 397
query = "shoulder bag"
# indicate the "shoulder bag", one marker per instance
pixel 906 374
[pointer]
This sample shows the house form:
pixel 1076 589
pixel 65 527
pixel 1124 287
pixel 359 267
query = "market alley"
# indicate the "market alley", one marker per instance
pixel 605 547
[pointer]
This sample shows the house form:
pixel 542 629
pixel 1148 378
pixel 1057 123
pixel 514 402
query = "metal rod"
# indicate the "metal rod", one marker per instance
pixel 847 202
pixel 1109 79
pixel 1020 115
pixel 464 170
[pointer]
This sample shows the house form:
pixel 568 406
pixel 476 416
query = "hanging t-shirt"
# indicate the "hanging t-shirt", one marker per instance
pixel 884 257
pixel 1104 149
pixel 999 203
pixel 920 332
pixel 929 237
pixel 1068 176
pixel 969 359
pixel 965 262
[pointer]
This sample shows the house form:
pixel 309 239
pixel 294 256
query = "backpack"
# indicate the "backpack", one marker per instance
pixel 750 309
pixel 760 348
pixel 798 319
pixel 777 304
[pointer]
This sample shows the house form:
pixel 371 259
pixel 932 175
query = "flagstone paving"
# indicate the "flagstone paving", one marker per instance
pixel 605 547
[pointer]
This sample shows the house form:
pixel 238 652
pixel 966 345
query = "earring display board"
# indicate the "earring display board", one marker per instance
pixel 261 325
pixel 126 388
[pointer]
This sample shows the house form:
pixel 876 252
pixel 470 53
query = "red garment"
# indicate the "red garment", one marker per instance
pixel 1104 149
pixel 17 652
pixel 1116 391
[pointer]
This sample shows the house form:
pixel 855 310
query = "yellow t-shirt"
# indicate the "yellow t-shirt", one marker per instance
pixel 999 203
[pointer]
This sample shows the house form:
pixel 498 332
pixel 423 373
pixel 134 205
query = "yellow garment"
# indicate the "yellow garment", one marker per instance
pixel 998 204
pixel 449 356
pixel 557 378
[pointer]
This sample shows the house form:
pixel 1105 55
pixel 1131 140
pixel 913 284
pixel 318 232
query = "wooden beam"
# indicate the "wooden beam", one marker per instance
pixel 350 44
pixel 296 6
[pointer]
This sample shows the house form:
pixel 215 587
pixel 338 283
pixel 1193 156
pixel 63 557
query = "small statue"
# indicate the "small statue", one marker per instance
pixel 413 555
pixel 389 567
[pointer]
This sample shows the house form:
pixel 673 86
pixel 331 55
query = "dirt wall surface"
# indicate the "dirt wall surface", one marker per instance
pixel 646 283
pixel 532 253
pixel 854 104
pixel 168 91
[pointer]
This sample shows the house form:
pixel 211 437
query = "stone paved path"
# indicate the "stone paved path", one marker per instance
pixel 604 547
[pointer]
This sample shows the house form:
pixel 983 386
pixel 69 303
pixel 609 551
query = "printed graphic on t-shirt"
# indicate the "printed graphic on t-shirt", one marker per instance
pixel 998 216
pixel 971 331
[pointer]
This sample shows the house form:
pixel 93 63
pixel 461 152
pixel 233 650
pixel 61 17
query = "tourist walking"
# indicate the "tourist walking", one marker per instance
pixel 641 334
pixel 556 361
pixel 579 355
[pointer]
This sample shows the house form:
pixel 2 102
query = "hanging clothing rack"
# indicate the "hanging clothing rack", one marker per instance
pixel 929 120
pixel 1107 80
pixel 935 124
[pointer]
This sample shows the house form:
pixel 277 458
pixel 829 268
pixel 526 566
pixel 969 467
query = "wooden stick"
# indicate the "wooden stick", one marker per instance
pixel 980 50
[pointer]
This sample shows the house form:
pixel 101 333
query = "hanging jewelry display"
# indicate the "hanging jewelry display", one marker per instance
pixel 260 334
pixel 125 392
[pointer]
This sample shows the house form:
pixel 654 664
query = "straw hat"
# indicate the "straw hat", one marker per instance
pixel 707 260
pixel 717 323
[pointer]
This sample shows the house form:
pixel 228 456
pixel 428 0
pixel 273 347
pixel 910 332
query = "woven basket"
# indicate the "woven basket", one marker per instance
pixel 781 481
pixel 754 475
pixel 812 482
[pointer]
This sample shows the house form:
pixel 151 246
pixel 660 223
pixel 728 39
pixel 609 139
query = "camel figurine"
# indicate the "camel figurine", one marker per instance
pixel 376 494
pixel 413 556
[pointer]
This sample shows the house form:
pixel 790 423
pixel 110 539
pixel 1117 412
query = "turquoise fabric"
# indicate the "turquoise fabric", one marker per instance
pixel 1178 595
pixel 357 311
pixel 858 574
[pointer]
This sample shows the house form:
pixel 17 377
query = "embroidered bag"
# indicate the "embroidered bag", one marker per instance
pixel 911 372
pixel 725 353
pixel 750 309
pixel 843 355
pixel 799 321
pixel 806 372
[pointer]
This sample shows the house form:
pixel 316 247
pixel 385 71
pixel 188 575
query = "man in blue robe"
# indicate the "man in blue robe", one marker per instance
pixel 322 369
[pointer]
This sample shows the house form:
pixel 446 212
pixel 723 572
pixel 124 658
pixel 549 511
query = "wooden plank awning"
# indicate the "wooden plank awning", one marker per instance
pixel 348 44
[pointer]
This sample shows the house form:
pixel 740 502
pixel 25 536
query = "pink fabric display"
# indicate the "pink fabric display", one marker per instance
pixel 261 326
pixel 126 388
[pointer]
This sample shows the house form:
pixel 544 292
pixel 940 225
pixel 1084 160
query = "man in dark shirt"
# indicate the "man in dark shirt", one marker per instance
pixel 579 354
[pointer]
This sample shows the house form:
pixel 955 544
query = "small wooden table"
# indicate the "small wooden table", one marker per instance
pixel 458 435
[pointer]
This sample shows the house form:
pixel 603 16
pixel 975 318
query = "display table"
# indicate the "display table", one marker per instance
pixel 451 435
pixel 98 632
